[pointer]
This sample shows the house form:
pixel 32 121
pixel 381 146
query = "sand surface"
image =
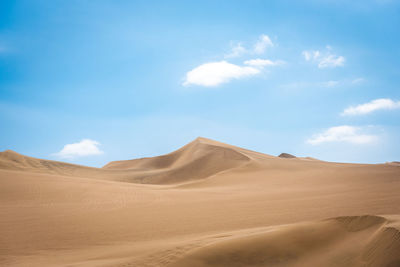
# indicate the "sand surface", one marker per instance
pixel 206 204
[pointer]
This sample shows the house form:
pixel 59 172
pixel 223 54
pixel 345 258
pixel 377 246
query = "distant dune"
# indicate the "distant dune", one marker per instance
pixel 198 159
pixel 12 160
pixel 286 155
pixel 205 204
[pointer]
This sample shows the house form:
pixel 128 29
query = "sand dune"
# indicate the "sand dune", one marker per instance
pixel 199 148
pixel 286 155
pixel 342 241
pixel 206 204
pixel 198 159
pixel 11 160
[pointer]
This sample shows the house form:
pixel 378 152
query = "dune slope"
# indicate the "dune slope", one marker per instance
pixel 341 241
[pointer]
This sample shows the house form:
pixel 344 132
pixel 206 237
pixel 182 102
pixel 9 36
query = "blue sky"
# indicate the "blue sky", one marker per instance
pixel 93 81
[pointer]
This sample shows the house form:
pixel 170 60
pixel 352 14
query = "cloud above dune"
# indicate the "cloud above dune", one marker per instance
pixel 374 105
pixel 344 133
pixel 324 59
pixel 86 147
pixel 216 73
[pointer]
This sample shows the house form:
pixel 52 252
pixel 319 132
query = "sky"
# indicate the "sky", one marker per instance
pixel 90 82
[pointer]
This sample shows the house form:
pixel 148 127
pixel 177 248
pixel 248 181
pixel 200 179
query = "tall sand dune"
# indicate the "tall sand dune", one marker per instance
pixel 198 159
pixel 206 204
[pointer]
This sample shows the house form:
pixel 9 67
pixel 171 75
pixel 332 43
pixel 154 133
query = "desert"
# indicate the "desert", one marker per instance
pixel 170 133
pixel 205 204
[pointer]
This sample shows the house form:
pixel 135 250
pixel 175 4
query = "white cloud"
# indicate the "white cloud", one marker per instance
pixel 86 147
pixel 216 73
pixel 374 105
pixel 219 72
pixel 258 62
pixel 324 60
pixel 263 42
pixel 344 133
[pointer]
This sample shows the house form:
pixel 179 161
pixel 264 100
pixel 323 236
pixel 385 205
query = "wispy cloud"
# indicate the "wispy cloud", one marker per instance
pixel 345 83
pixel 324 59
pixel 258 62
pixel 312 85
pixel 216 73
pixel 329 83
pixel 331 61
pixel 311 55
pixel 261 45
pixel 238 50
pixel 358 81
pixel 374 105
pixel 344 133
pixel 86 147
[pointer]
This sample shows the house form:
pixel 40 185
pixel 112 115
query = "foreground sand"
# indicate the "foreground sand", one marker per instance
pixel 206 204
